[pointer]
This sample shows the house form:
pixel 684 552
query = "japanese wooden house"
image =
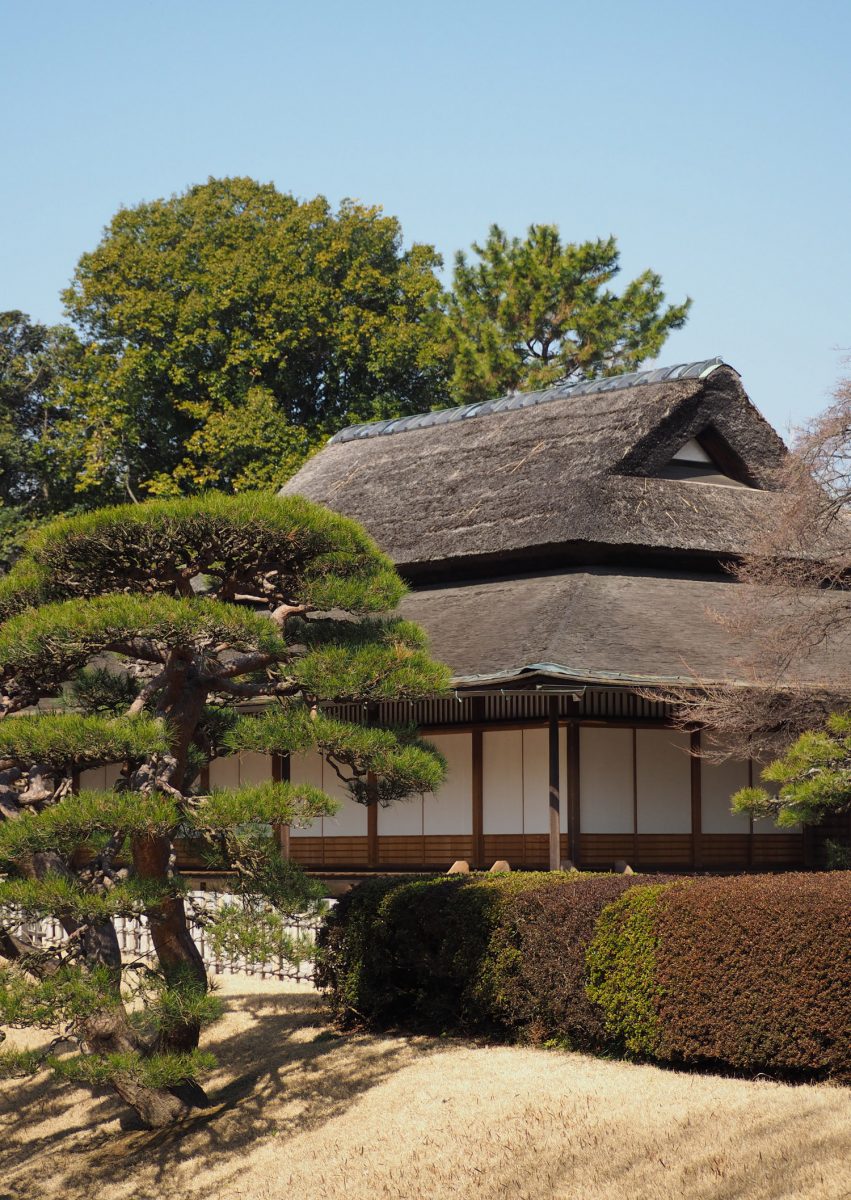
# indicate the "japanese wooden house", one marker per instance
pixel 563 549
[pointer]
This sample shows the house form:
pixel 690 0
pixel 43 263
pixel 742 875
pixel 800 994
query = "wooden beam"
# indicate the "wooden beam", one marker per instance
pixel 478 799
pixel 696 801
pixel 281 774
pixel 372 713
pixel 573 795
pixel 555 786
pixel 634 863
pixel 371 825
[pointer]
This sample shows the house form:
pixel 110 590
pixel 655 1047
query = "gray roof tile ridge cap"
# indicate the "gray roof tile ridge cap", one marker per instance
pixel 518 400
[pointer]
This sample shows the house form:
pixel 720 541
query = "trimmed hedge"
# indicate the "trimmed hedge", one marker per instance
pixel 411 951
pixel 621 962
pixel 755 973
pixel 535 972
pixel 495 953
pixel 751 973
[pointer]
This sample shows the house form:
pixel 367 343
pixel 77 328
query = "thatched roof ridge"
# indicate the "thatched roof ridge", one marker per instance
pixel 576 469
pixel 515 400
pixel 601 626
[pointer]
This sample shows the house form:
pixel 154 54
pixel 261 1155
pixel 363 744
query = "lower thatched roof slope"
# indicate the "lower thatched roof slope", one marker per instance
pixel 596 626
pixel 553 469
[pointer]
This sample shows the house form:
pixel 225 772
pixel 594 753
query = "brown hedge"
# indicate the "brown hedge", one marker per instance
pixel 537 974
pixel 751 973
pixel 754 972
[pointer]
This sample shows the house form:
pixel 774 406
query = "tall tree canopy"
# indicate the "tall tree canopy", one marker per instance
pixel 37 458
pixel 530 313
pixel 227 330
pixel 163 619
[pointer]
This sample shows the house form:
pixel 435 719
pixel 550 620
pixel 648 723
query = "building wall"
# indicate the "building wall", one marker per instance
pixel 636 802
pixel 515 775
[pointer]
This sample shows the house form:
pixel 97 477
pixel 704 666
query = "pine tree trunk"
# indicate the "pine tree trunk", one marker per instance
pixel 99 941
pixel 177 953
pixel 110 1033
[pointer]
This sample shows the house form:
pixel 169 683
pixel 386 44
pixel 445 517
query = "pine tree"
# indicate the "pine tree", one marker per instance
pixel 808 784
pixel 139 635
pixel 535 312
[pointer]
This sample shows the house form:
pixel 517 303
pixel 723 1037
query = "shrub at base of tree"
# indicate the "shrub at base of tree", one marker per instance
pixel 745 973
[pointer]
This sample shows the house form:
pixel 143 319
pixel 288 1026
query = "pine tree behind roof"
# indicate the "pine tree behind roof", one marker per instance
pixel 137 636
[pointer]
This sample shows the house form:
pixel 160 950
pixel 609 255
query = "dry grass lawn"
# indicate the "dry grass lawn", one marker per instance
pixel 304 1113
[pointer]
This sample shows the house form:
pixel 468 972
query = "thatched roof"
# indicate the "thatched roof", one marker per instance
pixel 555 474
pixel 602 626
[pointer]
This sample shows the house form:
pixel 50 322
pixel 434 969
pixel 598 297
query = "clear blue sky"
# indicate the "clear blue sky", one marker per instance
pixel 712 138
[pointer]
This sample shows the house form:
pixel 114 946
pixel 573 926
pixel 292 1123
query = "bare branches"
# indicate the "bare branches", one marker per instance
pixel 147 693
pixel 283 612
pixel 243 664
pixel 270 688
pixel 142 648
pixel 792 616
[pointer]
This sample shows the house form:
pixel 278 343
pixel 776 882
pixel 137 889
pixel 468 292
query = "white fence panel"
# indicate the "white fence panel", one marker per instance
pixel 134 939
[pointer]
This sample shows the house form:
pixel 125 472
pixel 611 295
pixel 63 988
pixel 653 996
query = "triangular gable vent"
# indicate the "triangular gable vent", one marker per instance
pixel 705 459
pixel 692 452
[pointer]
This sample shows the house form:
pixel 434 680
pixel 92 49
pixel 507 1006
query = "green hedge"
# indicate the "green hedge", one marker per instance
pixel 751 973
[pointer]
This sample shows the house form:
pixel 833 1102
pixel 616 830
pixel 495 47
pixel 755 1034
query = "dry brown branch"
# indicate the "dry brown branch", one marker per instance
pixel 795 601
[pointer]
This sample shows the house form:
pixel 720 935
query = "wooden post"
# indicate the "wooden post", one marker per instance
pixel 555 787
pixel 696 801
pixel 634 797
pixel 478 797
pixel 372 807
pixel 281 774
pixel 573 827
pixel 478 800
pixel 371 824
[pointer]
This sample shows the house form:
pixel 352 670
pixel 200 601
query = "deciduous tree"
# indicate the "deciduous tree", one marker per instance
pixel 226 331
pixel 794 601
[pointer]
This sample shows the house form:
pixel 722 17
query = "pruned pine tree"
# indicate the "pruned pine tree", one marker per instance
pixel 140 636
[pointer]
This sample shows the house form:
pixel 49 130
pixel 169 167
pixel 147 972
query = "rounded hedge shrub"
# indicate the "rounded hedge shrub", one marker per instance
pixel 751 973
pixel 754 972
pixel 496 953
pixel 411 951
pixel 535 973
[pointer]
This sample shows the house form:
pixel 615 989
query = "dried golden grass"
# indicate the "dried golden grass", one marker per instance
pixel 304 1113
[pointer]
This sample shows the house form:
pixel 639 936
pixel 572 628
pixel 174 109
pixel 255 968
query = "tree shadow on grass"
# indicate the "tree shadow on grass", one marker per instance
pixel 798 1150
pixel 282 1070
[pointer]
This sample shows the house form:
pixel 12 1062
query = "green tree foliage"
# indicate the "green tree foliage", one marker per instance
pixel 226 331
pixel 534 312
pixel 812 780
pixel 37 458
pixel 148 628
